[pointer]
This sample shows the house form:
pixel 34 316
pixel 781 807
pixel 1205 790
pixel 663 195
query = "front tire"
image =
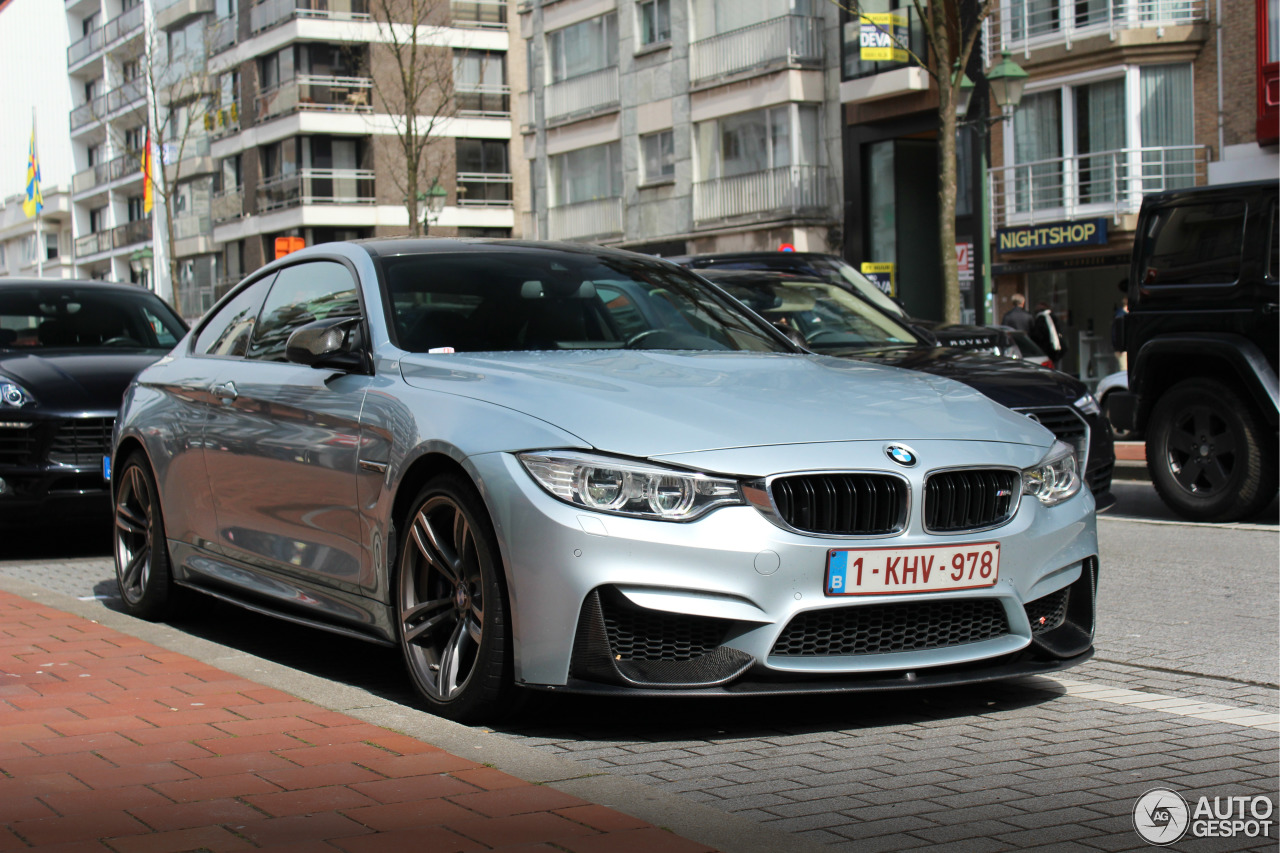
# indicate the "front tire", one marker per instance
pixel 451 606
pixel 1210 456
pixel 143 573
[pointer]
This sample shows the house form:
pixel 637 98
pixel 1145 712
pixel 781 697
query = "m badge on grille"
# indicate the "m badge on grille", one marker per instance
pixel 901 454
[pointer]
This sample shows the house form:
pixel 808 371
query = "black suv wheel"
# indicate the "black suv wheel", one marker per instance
pixel 1210 457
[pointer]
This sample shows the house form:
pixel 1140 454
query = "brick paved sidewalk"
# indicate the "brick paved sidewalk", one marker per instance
pixel 110 743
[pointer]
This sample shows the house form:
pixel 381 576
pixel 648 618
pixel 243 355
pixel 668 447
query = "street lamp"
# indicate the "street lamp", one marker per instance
pixel 140 262
pixel 433 203
pixel 1005 81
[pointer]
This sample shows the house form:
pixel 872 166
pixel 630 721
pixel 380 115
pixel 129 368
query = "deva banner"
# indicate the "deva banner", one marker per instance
pixel 1055 235
pixel 878 37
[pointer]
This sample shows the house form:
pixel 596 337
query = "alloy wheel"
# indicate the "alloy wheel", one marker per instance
pixel 1201 450
pixel 134 507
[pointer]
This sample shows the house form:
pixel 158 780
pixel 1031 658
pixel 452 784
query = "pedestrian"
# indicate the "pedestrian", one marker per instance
pixel 1044 331
pixel 1117 337
pixel 1017 317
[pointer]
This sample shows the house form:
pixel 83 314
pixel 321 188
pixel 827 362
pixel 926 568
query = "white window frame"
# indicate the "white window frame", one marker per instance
pixel 645 178
pixel 643 8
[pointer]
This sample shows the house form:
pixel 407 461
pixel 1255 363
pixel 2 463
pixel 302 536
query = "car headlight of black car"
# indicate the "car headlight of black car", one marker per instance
pixel 13 395
pixel 1055 478
pixel 1088 404
pixel 625 487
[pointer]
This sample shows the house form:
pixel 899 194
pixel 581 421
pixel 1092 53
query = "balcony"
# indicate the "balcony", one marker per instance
pixel 789 40
pixel 272 13
pixel 85 48
pixel 223 121
pixel 311 92
pixel 316 186
pixel 89 112
pixel 1039 23
pixel 1105 183
pixel 228 205
pixel 582 95
pixel 597 218
pixel 127 94
pixel 480 100
pixel 92 244
pixel 176 151
pixel 138 231
pixel 789 190
pixel 193 225
pixel 220 35
pixel 484 189
pixel 480 14
pixel 105 173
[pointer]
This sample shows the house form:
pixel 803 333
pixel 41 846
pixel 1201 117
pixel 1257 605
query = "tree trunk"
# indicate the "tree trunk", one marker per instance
pixel 948 91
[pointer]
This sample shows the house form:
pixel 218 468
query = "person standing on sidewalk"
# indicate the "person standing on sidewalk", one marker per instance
pixel 1044 331
pixel 1017 317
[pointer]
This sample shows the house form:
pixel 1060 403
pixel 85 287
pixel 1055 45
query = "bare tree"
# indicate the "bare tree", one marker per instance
pixel 413 83
pixel 951 29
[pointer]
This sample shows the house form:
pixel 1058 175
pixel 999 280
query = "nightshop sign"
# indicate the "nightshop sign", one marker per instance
pixel 1053 235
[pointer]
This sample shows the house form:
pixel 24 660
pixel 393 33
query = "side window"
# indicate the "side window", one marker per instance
pixel 302 294
pixel 1194 244
pixel 228 331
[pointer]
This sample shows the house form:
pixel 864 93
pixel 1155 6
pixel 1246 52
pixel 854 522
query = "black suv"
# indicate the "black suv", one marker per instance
pixel 1202 337
pixel 839 271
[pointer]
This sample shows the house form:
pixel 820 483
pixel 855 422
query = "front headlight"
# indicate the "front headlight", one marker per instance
pixel 1055 479
pixel 13 395
pixel 1088 404
pixel 623 487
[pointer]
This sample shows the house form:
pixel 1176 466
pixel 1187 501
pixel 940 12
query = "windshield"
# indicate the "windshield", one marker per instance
pixel 505 300
pixel 827 316
pixel 85 318
pixel 837 271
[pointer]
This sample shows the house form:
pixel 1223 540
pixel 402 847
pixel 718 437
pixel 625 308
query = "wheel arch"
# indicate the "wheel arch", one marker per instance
pixel 1164 362
pixel 129 445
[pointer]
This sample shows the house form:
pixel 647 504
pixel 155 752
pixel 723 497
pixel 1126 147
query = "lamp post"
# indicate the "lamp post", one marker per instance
pixel 1005 81
pixel 140 262
pixel 433 203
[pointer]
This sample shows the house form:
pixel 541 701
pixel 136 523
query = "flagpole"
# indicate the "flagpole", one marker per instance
pixel 39 248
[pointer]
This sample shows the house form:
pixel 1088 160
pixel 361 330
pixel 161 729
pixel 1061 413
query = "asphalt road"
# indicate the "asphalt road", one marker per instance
pixel 1182 693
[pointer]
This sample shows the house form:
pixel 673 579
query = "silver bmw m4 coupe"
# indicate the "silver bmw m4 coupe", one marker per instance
pixel 561 467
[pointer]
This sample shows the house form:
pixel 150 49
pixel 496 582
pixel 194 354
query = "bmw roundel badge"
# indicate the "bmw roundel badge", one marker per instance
pixel 901 454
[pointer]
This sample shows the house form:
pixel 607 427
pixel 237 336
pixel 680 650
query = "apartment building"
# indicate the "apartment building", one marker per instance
pixel 303 139
pixel 672 127
pixel 26 253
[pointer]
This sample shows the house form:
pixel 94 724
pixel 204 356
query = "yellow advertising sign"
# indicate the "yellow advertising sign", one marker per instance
pixel 882 276
pixel 880 34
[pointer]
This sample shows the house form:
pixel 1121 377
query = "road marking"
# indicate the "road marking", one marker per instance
pixel 1233 525
pixel 1253 718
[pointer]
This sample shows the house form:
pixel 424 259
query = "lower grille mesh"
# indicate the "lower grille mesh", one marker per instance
pixel 636 634
pixel 883 628
pixel 1048 612
pixel 83 441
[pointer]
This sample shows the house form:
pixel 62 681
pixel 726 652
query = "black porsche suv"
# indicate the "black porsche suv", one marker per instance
pixel 828 320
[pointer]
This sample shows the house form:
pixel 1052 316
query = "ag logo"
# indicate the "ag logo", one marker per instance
pixel 901 454
pixel 1160 816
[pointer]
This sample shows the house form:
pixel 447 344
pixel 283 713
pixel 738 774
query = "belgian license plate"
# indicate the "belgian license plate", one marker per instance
pixel 933 568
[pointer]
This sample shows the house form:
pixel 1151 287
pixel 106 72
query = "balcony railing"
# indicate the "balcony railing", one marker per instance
pixel 311 92
pixel 791 39
pixel 85 47
pixel 223 121
pixel 89 112
pixel 221 34
pixel 92 244
pixel 126 94
pixel 1105 183
pixel 909 38
pixel 228 205
pixel 317 186
pixel 600 217
pixel 484 189
pixel 104 173
pixel 123 25
pixel 138 231
pixel 1025 24
pixel 482 14
pixel 272 13
pixel 175 151
pixel 584 93
pixel 785 190
pixel 485 100
pixel 194 225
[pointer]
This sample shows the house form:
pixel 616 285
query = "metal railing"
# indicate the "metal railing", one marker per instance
pixel 129 163
pixel 89 112
pixel 788 189
pixel 223 121
pixel 788 39
pixel 126 94
pixel 1028 23
pixel 591 91
pixel 138 231
pixel 192 225
pixel 313 92
pixel 479 14
pixel 85 47
pixel 910 39
pixel 484 189
pixel 271 13
pixel 601 217
pixel 489 100
pixel 317 186
pixel 1104 183
pixel 227 204
pixel 92 244
pixel 221 34
pixel 123 25
pixel 175 151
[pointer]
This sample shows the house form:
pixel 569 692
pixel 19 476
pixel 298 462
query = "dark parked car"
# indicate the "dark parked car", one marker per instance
pixel 837 270
pixel 68 349
pixel 828 320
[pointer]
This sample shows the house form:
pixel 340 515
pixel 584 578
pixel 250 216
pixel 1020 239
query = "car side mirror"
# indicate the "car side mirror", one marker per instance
pixel 325 344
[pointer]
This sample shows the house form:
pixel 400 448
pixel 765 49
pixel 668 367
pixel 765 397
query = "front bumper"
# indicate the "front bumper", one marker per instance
pixel 603 602
pixel 54 462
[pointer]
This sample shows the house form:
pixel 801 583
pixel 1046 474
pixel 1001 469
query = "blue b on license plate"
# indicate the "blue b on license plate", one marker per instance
pixel 931 568
pixel 106 467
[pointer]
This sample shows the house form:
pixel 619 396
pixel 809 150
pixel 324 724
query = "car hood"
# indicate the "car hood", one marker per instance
pixel 1010 382
pixel 69 380
pixel 959 335
pixel 644 403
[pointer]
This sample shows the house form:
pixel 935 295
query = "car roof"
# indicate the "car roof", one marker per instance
pixel 748 256
pixel 64 283
pixel 729 276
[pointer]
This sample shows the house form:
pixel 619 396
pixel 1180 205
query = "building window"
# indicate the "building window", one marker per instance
pixel 711 17
pixel 97 220
pixel 582 48
pixel 484 175
pixel 658 154
pixel 586 174
pixel 480 82
pixel 757 141
pixel 134 140
pixel 655 21
pixel 134 208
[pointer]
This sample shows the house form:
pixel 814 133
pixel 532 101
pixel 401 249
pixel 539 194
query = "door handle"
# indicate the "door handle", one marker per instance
pixel 225 391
